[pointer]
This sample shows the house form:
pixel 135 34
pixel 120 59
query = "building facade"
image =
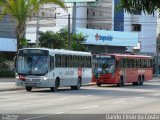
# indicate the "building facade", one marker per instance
pixel 8 42
pixel 102 15
pixel 50 18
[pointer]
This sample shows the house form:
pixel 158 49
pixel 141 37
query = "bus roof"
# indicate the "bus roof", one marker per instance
pixel 61 51
pixel 126 55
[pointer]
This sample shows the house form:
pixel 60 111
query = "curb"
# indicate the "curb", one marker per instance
pixel 15 89
pixel 11 89
pixel 90 84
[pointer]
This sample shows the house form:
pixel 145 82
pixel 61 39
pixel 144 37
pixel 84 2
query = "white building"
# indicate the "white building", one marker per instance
pixel 50 18
pixel 146 26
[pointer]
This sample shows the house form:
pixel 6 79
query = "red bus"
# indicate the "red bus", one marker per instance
pixel 120 69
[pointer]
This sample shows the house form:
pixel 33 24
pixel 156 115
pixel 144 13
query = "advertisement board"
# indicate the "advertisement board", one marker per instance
pixel 112 38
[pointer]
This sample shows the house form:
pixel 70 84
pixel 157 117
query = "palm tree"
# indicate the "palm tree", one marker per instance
pixel 147 6
pixel 21 10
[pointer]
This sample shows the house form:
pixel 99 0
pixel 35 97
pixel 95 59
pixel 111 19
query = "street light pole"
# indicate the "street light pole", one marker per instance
pixel 74 18
pixel 69 37
pixel 55 16
pixel 157 56
pixel 37 30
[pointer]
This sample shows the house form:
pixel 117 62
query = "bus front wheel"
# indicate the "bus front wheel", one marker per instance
pixel 78 85
pixel 55 88
pixel 98 84
pixel 120 84
pixel 28 88
pixel 142 80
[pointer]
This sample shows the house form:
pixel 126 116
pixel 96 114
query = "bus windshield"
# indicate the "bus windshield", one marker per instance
pixel 32 64
pixel 104 64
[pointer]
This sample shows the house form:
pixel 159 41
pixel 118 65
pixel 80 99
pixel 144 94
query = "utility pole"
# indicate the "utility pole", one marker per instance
pixel 157 56
pixel 37 30
pixel 74 18
pixel 69 35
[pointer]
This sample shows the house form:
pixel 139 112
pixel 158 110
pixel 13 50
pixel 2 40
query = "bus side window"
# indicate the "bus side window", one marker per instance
pixel 51 62
pixel 58 60
pixel 63 61
pixel 90 62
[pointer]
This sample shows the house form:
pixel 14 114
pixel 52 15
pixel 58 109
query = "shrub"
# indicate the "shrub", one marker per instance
pixel 7 74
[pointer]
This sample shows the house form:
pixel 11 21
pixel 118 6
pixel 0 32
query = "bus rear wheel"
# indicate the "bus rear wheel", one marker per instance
pixel 138 82
pixel 28 88
pixel 78 85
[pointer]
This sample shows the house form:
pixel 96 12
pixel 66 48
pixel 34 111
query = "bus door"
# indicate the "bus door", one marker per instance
pixel 124 67
pixel 129 71
pixel 80 72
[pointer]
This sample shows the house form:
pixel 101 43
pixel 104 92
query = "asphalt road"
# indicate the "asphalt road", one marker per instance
pixel 90 100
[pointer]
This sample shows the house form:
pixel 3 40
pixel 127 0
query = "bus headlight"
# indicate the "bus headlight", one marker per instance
pixel 45 78
pixel 98 75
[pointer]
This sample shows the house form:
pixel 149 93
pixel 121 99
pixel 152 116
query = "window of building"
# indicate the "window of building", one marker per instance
pixel 43 14
pixel 136 27
pixel 101 13
pixel 94 13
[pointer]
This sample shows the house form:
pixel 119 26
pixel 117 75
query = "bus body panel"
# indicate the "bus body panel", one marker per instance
pixel 68 76
pixel 129 75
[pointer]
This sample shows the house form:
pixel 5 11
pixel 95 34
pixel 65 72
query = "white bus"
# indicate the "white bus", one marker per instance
pixel 52 68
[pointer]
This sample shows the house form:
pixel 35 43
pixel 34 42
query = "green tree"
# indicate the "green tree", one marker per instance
pixel 147 6
pixel 50 39
pixel 77 40
pixel 59 40
pixel 20 10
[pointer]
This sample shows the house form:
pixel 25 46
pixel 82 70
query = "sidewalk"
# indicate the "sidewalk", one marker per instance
pixel 8 84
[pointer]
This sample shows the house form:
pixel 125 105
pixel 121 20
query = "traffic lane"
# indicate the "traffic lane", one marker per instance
pixel 69 101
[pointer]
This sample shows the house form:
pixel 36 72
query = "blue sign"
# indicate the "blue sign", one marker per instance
pixel 103 38
pixel 106 37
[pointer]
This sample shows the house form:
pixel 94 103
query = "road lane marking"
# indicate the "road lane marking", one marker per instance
pixel 43 116
pixel 86 96
pixel 37 117
pixel 138 98
pixel 60 113
pixel 119 101
pixel 61 99
pixel 88 107
pixel 156 95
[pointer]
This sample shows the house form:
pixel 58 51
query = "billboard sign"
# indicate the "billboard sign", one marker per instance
pixel 8 45
pixel 112 38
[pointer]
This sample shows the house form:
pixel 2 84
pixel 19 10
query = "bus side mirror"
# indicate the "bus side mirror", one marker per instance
pixel 15 62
